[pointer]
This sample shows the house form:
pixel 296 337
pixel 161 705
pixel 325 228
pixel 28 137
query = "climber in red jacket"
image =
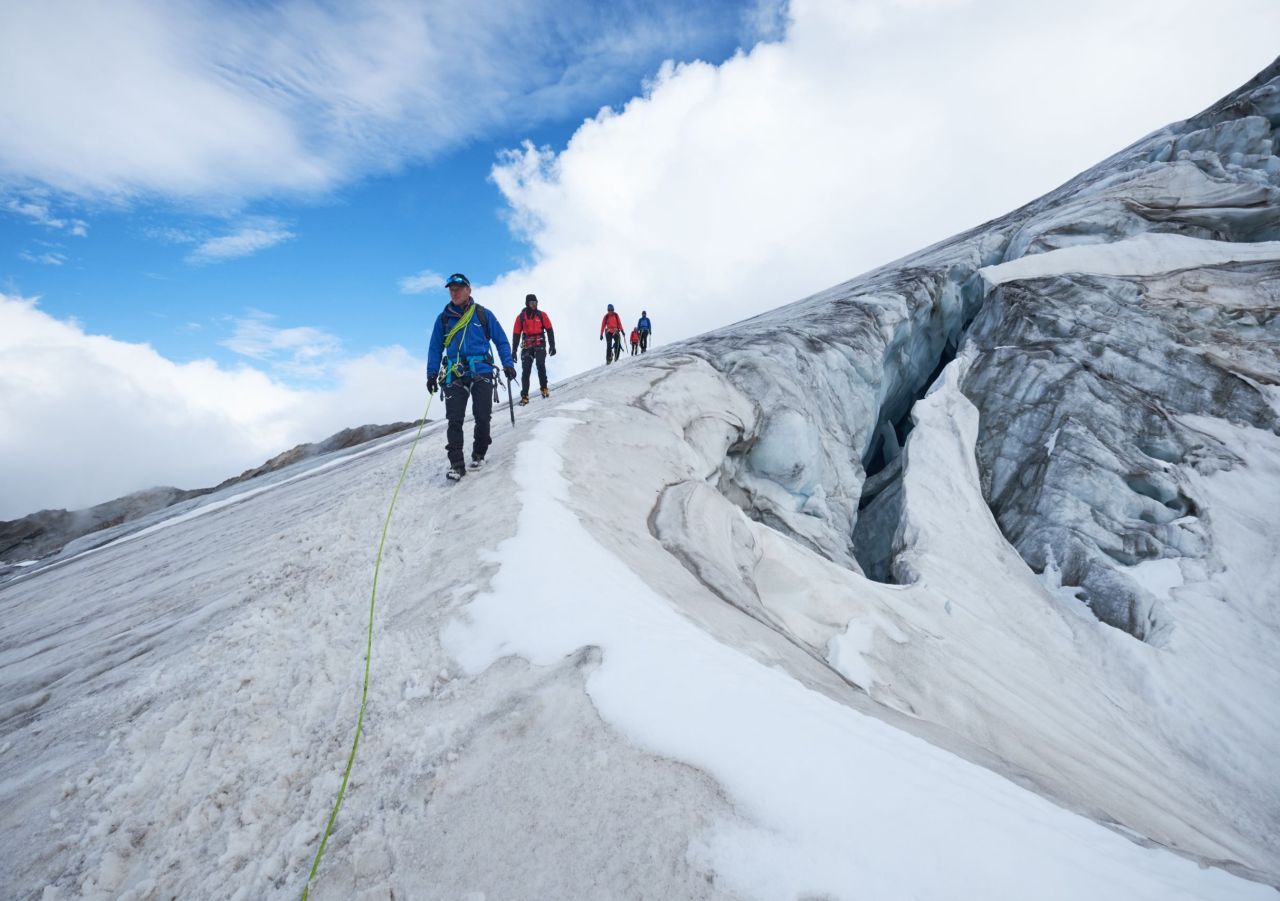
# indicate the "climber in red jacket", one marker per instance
pixel 533 330
pixel 612 325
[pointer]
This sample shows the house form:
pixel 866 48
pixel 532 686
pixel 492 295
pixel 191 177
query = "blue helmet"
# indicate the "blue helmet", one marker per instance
pixel 610 308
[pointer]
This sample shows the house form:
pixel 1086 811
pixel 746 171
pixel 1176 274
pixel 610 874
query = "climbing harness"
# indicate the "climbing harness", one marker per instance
pixel 462 365
pixel 368 655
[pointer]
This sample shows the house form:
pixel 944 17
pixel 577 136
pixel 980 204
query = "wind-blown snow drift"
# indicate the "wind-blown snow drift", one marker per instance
pixel 908 589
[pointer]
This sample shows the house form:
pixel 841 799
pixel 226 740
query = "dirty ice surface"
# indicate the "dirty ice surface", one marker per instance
pixel 177 710
pixel 829 800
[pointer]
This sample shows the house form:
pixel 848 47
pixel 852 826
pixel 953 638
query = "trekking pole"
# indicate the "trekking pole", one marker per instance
pixel 511 404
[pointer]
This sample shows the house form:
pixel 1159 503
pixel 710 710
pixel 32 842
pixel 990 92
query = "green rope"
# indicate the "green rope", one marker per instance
pixel 460 325
pixel 368 656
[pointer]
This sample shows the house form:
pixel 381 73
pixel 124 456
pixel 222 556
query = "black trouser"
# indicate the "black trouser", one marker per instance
pixel 644 340
pixel 635 348
pixel 527 356
pixel 480 390
pixel 612 346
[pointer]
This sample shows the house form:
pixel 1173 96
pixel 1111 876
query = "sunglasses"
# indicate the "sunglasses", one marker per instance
pixel 457 280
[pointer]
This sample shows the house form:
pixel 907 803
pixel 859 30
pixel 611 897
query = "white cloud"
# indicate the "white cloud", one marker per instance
pixel 38 210
pixel 300 351
pixel 171 234
pixel 765 20
pixel 424 281
pixel 248 239
pixel 871 130
pixel 49 258
pixel 199 98
pixel 85 418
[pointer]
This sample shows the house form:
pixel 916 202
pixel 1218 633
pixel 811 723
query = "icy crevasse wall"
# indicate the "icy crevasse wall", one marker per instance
pixel 832 380
pixel 1081 379
pixel 1077 377
pixel 1082 383
pixel 1092 452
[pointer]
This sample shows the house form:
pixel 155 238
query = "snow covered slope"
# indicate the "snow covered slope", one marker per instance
pixel 954 581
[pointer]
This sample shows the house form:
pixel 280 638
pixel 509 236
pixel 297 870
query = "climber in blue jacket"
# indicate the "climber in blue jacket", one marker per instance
pixel 644 327
pixel 460 347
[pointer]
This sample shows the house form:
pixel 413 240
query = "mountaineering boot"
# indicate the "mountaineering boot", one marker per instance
pixel 477 462
pixel 455 474
pixel 546 392
pixel 524 400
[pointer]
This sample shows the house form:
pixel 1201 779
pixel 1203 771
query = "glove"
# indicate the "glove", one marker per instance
pixel 602 337
pixel 509 372
pixel 552 352
pixel 432 384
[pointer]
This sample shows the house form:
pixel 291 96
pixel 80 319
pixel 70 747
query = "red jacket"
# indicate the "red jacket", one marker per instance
pixel 531 326
pixel 611 323
pixel 635 336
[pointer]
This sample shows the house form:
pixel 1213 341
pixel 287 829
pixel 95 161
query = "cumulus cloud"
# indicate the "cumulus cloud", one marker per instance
pixel 86 418
pixel 246 240
pixel 200 98
pixel 870 130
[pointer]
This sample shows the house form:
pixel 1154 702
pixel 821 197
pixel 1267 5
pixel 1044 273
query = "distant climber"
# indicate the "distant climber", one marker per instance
pixel 644 327
pixel 612 326
pixel 533 329
pixel 460 341
pixel 635 341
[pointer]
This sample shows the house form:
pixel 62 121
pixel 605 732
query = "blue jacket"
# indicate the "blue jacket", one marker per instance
pixel 643 324
pixel 469 348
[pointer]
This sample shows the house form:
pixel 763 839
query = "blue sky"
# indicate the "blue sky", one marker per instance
pixel 125 260
pixel 337 265
pixel 223 224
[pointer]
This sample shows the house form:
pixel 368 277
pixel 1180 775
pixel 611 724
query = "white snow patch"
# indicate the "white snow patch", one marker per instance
pixel 1160 577
pixel 848 652
pixel 1147 254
